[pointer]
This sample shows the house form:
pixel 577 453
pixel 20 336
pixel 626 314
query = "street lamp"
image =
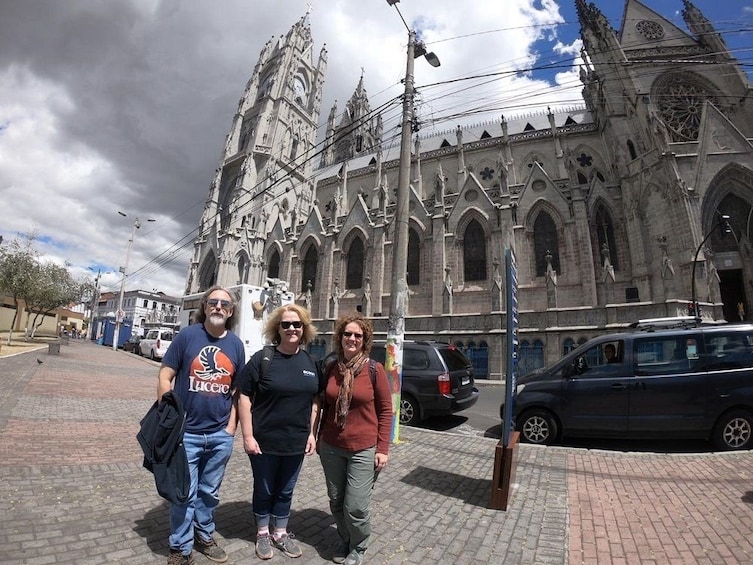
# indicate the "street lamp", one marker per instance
pixel 399 284
pixel 120 313
pixel 722 224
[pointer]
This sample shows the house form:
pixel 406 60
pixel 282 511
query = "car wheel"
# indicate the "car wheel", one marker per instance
pixel 152 356
pixel 539 427
pixel 733 431
pixel 409 411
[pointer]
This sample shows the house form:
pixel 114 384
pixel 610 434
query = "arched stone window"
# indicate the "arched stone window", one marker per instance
pixel 545 239
pixel 740 214
pixel 310 261
pixel 631 150
pixel 354 269
pixel 208 273
pixel 242 269
pixel 568 345
pixel 414 258
pixel 273 272
pixel 604 227
pixel 294 147
pixel 474 252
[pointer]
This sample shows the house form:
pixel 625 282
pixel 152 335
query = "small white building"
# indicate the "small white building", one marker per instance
pixel 143 309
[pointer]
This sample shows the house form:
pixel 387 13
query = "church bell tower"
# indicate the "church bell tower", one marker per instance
pixel 264 175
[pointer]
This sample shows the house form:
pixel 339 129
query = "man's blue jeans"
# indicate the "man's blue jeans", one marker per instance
pixel 207 455
pixel 275 477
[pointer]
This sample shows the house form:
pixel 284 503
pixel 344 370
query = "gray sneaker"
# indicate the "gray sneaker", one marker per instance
pixel 355 557
pixel 287 545
pixel 264 546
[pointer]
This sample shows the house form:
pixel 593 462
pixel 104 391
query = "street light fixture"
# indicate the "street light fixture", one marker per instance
pixel 120 313
pixel 399 284
pixel 722 224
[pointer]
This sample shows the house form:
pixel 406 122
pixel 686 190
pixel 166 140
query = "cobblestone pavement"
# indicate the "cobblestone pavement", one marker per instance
pixel 72 489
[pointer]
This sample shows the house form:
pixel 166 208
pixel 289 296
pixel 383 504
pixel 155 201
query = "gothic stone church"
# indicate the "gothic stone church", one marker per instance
pixel 605 206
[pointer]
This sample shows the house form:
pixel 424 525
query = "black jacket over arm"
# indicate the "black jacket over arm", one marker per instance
pixel 161 439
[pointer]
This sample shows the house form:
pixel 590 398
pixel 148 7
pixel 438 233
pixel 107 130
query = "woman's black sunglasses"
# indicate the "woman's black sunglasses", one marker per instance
pixel 286 325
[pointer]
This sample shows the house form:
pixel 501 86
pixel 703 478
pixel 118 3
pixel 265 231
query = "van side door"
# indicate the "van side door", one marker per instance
pixel 729 353
pixel 595 397
pixel 670 390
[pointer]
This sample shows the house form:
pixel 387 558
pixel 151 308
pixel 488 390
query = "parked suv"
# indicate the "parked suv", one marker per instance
pixel 155 343
pixel 686 382
pixel 437 380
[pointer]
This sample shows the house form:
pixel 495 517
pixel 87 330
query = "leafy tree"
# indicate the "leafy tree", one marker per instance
pixel 18 267
pixel 55 287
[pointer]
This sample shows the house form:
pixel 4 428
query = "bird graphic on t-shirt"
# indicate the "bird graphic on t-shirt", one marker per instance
pixel 211 370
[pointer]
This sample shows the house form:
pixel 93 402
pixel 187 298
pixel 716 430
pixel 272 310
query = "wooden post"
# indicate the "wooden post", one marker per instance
pixel 505 462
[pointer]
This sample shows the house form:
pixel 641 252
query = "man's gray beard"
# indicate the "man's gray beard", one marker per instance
pixel 216 319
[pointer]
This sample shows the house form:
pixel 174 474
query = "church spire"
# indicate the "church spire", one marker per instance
pixel 702 28
pixel 591 18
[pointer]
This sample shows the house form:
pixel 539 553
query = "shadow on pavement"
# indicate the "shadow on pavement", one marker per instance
pixel 462 487
pixel 442 423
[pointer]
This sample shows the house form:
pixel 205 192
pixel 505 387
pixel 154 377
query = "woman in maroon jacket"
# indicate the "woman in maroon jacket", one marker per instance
pixel 354 437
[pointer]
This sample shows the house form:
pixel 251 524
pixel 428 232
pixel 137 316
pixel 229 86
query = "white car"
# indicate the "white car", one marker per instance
pixel 154 345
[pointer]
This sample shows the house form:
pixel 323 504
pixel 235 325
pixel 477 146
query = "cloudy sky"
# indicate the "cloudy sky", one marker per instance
pixel 123 105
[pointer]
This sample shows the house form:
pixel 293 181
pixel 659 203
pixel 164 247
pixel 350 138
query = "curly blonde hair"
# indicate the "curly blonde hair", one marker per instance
pixel 272 327
pixel 366 330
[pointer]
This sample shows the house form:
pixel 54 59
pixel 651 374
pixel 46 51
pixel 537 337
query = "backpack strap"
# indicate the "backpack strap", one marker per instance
pixel 266 359
pixel 372 371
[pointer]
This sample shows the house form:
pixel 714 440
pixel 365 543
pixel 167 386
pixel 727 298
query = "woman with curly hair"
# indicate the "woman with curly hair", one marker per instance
pixel 354 437
pixel 279 410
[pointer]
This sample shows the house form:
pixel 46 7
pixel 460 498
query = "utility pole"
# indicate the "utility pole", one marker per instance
pixel 399 282
pixel 120 313
pixel 94 303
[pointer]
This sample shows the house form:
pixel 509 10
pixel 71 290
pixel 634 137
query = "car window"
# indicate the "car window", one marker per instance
pixel 603 359
pixel 729 350
pixel 454 358
pixel 415 359
pixel 664 355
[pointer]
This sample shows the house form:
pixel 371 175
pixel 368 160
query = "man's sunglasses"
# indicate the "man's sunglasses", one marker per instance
pixel 352 334
pixel 286 325
pixel 214 302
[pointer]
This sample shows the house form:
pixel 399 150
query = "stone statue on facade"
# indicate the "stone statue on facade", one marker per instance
pixel 667 269
pixel 712 275
pixel 307 295
pixel 607 270
pixel 551 274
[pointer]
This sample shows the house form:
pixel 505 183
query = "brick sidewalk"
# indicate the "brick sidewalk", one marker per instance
pixel 72 489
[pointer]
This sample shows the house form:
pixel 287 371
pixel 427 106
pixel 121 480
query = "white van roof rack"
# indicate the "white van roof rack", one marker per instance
pixel 669 322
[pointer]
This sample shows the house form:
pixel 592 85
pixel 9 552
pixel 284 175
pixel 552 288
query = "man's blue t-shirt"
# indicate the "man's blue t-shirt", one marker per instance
pixel 205 368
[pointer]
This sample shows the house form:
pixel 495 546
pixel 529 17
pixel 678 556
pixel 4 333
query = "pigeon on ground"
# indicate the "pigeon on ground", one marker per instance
pixel 39 361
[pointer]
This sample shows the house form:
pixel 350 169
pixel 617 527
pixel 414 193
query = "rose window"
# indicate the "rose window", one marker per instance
pixel 649 29
pixel 680 102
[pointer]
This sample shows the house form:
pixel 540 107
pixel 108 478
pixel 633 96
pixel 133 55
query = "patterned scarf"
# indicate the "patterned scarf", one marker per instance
pixel 348 370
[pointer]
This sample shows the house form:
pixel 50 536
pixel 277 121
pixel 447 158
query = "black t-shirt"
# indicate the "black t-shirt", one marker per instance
pixel 281 400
